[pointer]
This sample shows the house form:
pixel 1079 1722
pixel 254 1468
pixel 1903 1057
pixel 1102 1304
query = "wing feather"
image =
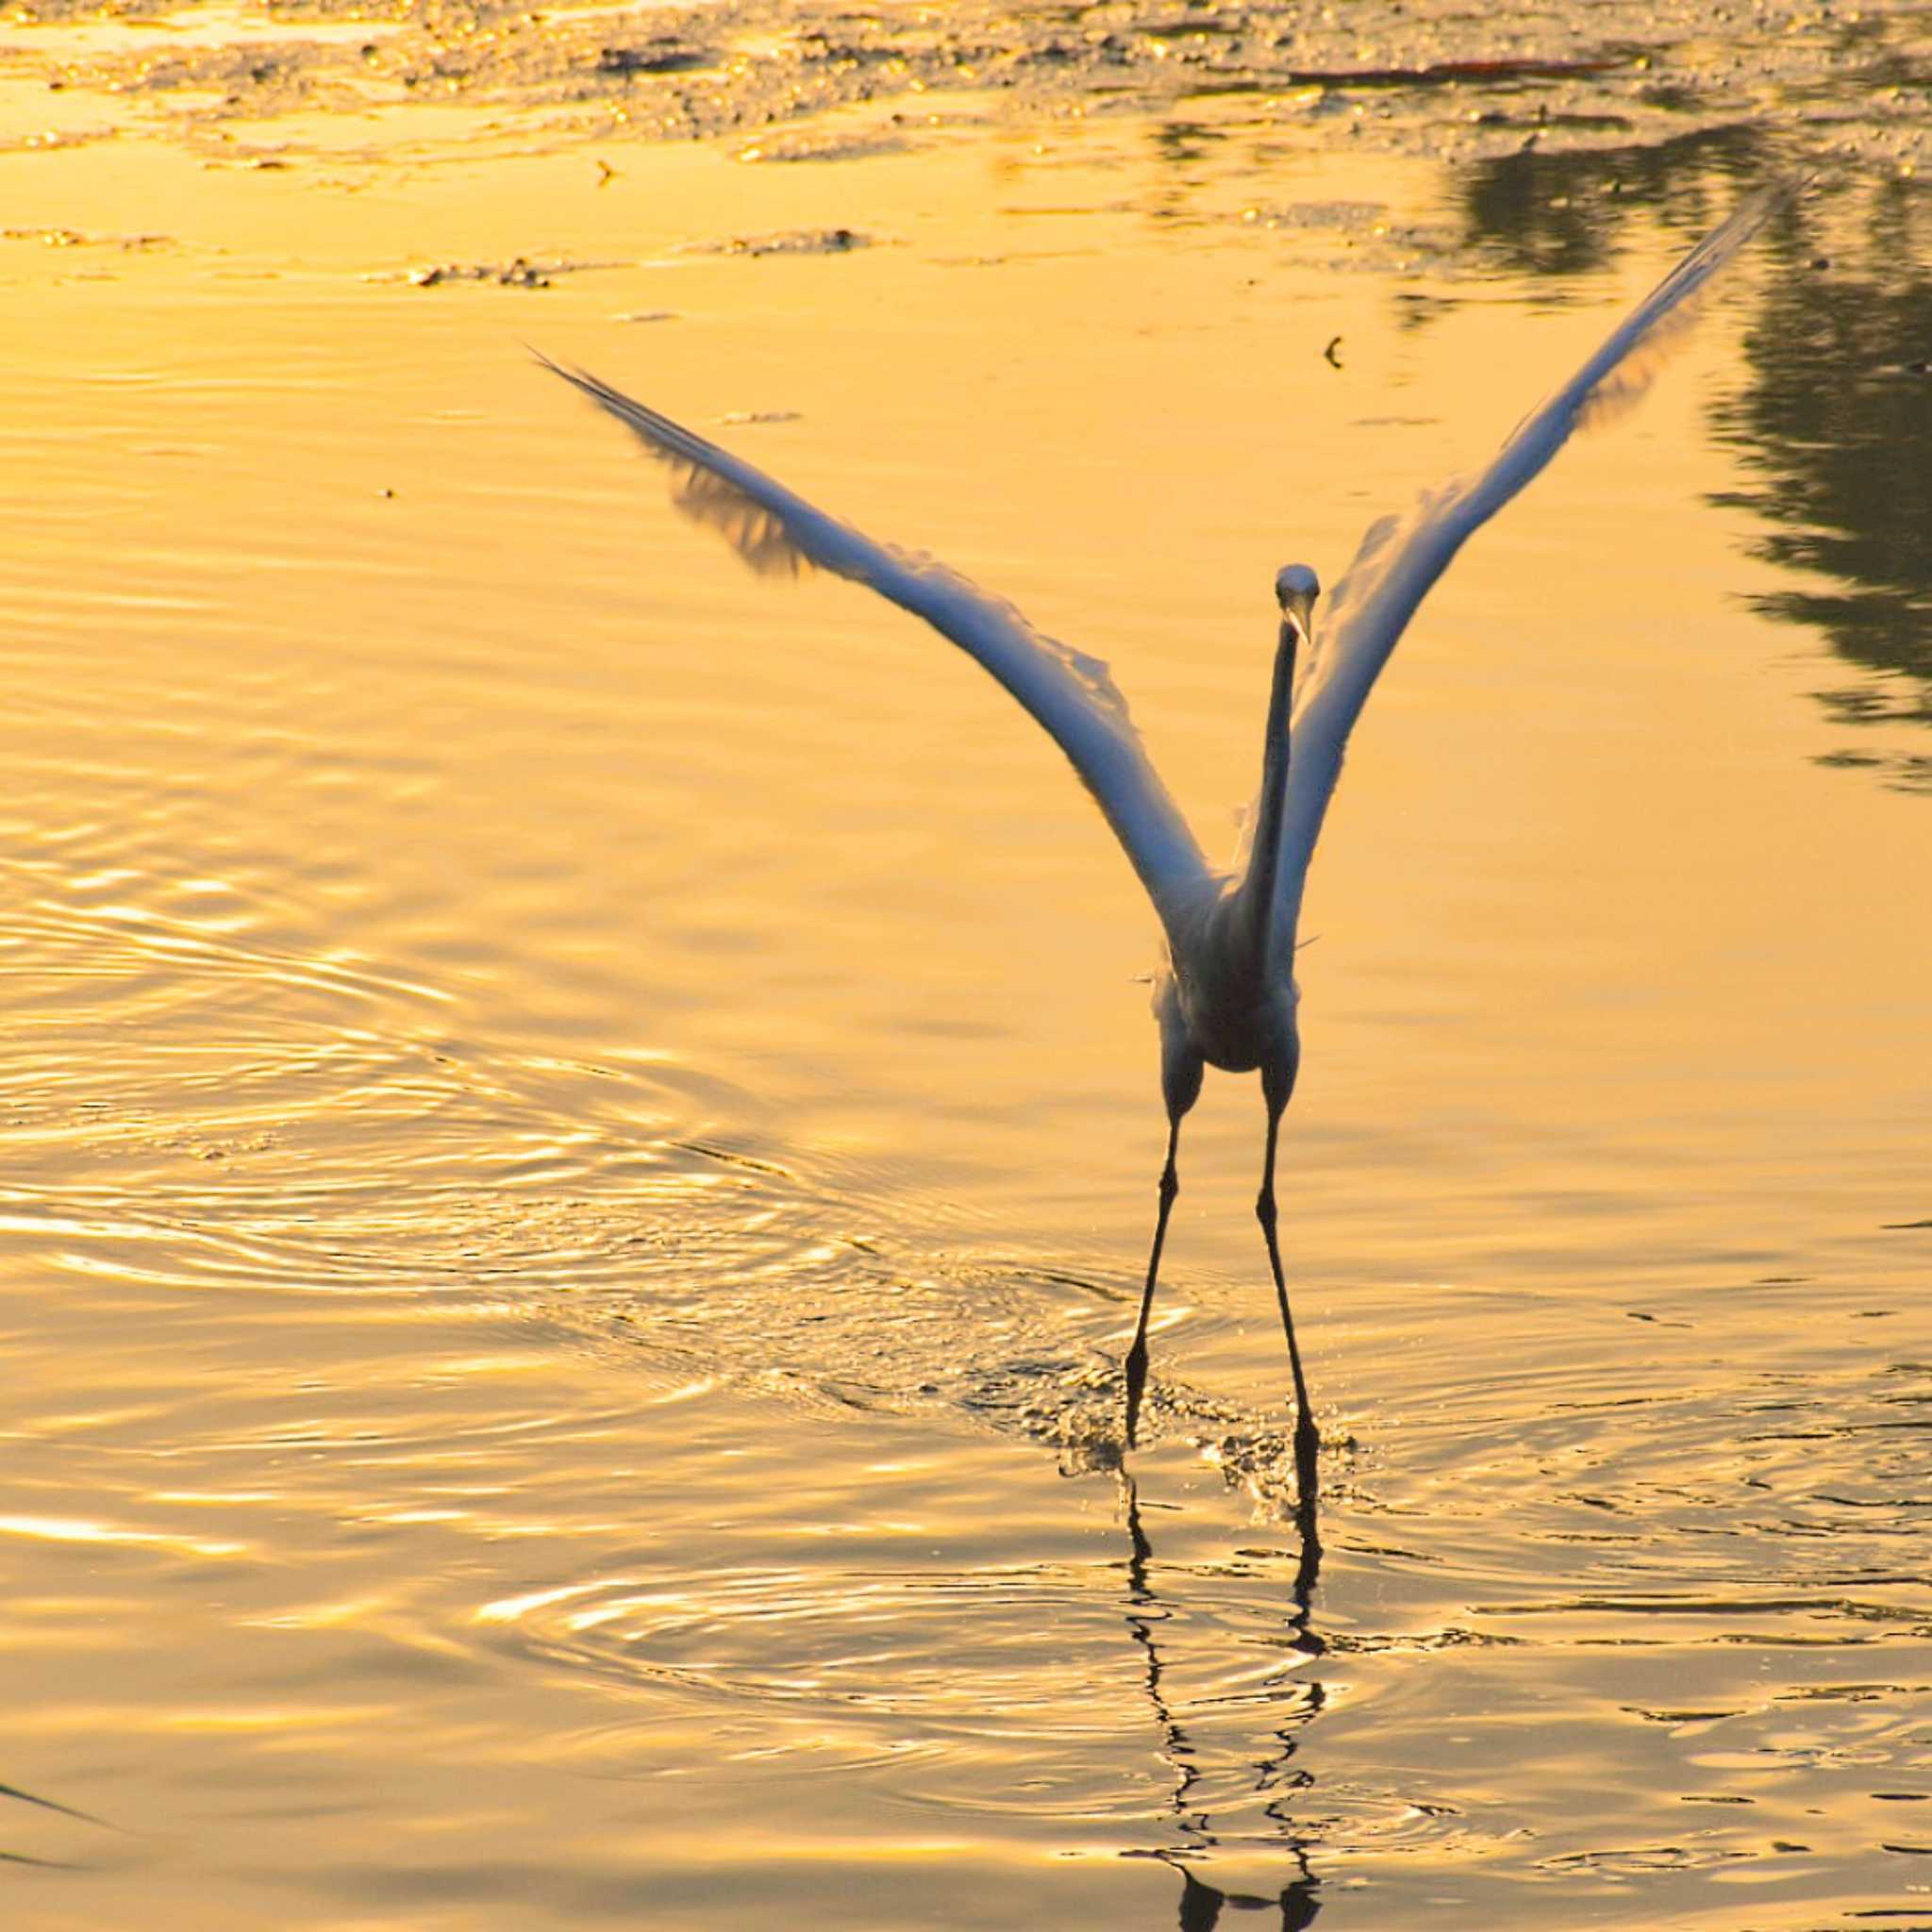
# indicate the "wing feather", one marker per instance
pixel 1401 557
pixel 1072 695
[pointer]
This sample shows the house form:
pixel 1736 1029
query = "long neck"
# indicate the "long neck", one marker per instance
pixel 1264 855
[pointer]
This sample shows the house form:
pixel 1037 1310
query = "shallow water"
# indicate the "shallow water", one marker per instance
pixel 581 1126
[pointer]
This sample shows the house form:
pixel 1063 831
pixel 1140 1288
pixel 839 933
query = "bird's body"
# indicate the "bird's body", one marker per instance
pixel 1226 995
pixel 1216 995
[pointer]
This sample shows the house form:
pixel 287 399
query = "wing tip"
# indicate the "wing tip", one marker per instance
pixel 579 378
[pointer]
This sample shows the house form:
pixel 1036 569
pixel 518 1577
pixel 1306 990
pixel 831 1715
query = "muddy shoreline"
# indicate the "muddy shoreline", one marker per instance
pixel 1817 83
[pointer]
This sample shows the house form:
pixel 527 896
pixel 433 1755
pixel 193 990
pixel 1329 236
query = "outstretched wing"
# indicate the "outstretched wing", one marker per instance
pixel 1402 556
pixel 1071 696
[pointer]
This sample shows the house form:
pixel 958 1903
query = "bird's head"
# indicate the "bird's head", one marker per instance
pixel 1296 587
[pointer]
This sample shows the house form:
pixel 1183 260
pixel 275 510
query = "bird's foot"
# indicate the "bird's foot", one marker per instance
pixel 1136 1372
pixel 1308 1451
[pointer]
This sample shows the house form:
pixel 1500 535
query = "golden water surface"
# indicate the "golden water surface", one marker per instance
pixel 580 1126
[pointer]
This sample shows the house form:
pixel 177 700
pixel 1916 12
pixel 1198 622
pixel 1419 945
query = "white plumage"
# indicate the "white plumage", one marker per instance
pixel 1226 996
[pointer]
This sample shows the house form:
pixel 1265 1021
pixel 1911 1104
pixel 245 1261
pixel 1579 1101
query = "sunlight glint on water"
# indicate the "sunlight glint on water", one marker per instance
pixel 580 1127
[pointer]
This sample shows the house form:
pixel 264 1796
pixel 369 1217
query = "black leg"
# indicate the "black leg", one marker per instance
pixel 1307 1439
pixel 1137 1355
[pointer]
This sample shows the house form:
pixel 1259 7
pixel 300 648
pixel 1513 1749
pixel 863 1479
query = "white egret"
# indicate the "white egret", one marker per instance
pixel 1226 993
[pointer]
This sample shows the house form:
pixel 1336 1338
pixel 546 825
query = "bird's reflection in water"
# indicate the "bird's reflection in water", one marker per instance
pixel 1201 1904
pixel 1278 1775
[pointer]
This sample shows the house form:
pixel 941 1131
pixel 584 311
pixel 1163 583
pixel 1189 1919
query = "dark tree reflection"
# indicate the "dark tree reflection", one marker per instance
pixel 1835 414
pixel 1838 423
pixel 1563 214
